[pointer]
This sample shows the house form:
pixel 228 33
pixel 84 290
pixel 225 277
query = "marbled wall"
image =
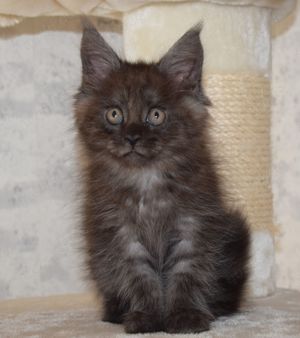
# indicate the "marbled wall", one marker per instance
pixel 39 222
pixel 39 232
pixel 286 149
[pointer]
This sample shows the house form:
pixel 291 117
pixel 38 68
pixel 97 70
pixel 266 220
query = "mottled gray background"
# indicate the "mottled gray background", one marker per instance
pixel 286 148
pixel 39 73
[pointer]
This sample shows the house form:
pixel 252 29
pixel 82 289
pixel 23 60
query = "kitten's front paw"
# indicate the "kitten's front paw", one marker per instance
pixel 140 322
pixel 187 321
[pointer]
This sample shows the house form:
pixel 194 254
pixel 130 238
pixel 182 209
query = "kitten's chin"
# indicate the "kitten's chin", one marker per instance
pixel 136 158
pixel 134 153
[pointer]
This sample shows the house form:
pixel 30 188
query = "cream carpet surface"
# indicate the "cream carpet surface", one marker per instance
pixel 79 316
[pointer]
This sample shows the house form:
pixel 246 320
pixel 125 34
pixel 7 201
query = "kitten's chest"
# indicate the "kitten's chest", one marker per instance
pixel 150 212
pixel 153 201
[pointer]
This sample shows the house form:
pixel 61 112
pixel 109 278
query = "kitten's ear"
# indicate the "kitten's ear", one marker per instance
pixel 97 57
pixel 184 59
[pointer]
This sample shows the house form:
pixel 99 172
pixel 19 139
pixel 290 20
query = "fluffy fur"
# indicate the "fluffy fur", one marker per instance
pixel 164 252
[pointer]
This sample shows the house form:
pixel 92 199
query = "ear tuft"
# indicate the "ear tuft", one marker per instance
pixel 184 59
pixel 97 57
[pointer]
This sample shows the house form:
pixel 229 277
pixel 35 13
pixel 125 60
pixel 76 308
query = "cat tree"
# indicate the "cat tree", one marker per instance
pixel 236 39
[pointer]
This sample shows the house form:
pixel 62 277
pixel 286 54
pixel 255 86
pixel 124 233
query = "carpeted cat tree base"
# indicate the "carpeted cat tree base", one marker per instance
pixel 78 316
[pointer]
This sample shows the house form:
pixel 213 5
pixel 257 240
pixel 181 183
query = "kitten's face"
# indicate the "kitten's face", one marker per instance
pixel 135 116
pixel 137 113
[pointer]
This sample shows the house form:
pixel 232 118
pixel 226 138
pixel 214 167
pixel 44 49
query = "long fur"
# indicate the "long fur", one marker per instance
pixel 163 250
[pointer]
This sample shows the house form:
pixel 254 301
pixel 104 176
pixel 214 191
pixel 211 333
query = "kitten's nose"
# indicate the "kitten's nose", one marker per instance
pixel 132 139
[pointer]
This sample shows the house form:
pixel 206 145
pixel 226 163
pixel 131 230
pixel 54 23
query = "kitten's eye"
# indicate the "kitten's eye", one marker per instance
pixel 114 116
pixel 156 117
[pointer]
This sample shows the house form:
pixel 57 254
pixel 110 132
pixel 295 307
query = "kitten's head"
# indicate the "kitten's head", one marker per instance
pixel 138 114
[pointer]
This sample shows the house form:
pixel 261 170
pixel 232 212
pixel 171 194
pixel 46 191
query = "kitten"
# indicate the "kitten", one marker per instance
pixel 164 252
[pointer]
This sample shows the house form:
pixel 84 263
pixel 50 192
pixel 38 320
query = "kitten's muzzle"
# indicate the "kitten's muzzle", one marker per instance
pixel 132 139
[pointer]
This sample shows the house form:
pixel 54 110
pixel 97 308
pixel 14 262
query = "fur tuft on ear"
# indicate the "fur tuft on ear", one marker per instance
pixel 97 57
pixel 184 60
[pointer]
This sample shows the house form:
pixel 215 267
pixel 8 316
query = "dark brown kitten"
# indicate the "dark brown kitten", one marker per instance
pixel 163 250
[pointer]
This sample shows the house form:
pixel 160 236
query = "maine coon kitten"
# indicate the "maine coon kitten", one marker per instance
pixel 164 252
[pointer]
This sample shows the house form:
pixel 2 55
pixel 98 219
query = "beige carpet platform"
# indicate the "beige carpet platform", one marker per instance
pixel 78 316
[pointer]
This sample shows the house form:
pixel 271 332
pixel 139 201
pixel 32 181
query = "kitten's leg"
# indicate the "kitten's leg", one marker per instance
pixel 186 306
pixel 127 270
pixel 188 311
pixel 137 301
pixel 145 296
pixel 142 287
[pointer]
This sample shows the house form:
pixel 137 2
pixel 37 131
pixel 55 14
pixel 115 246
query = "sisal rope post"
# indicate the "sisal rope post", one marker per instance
pixel 241 136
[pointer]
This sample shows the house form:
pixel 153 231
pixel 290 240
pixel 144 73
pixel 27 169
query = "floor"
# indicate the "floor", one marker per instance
pixel 79 316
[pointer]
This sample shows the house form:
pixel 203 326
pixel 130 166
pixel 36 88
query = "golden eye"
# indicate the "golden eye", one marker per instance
pixel 114 116
pixel 156 117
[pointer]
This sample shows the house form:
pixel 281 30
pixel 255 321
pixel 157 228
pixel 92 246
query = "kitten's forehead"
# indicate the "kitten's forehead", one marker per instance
pixel 137 82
